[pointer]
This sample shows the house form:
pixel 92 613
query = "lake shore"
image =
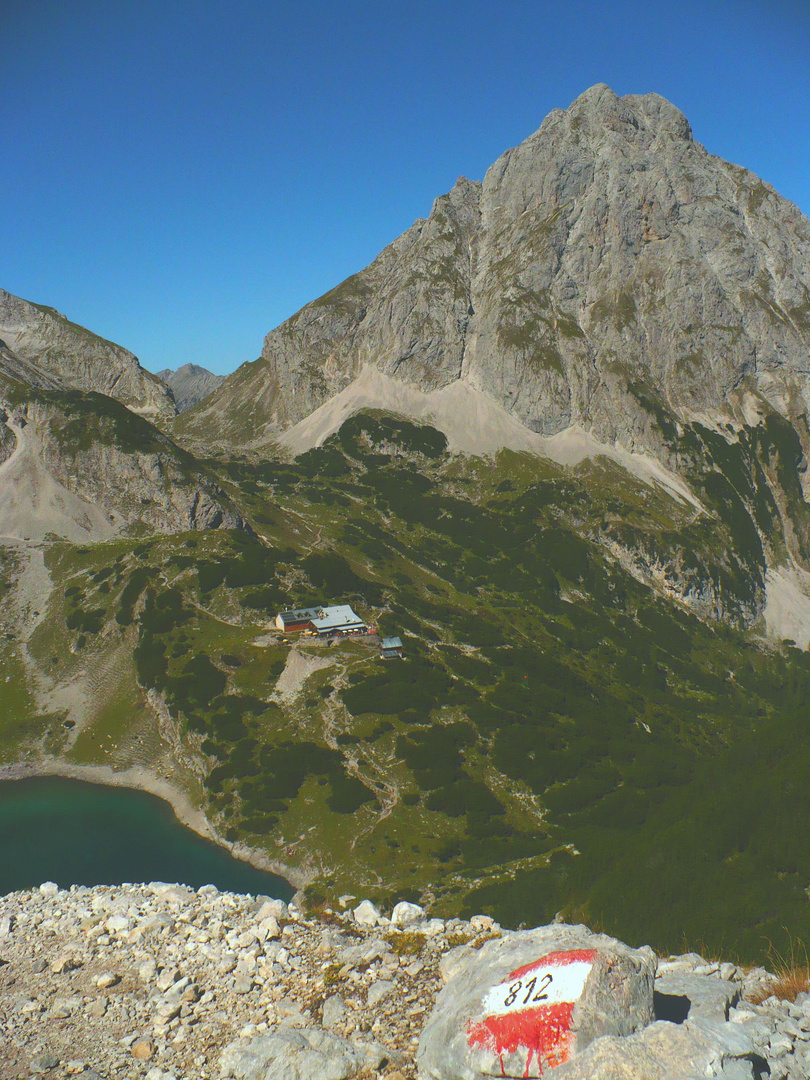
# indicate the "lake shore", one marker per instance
pixel 140 779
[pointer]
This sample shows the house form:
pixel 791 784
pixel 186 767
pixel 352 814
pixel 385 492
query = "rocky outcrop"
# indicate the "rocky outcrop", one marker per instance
pixel 82 464
pixel 189 384
pixel 23 371
pixel 609 280
pixel 607 261
pixel 84 467
pixel 78 359
pixel 407 314
pixel 162 981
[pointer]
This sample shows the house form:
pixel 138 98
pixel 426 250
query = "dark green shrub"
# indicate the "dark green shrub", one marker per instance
pixel 348 793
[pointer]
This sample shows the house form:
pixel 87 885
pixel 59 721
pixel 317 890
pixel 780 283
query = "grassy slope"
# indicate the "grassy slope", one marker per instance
pixel 559 738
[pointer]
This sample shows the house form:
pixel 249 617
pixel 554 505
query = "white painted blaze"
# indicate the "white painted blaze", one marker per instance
pixel 545 984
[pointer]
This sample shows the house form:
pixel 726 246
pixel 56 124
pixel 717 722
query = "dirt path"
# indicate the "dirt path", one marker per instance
pixel 296 671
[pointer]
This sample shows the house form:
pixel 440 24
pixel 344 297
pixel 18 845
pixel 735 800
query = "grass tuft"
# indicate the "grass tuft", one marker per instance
pixel 792 975
pixel 407 944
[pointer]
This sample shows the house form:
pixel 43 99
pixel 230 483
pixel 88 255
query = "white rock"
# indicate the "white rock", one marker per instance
pixel 610 991
pixel 432 927
pixel 378 991
pixel 707 996
pixel 49 888
pixel 366 914
pixel 64 964
pixel 147 970
pixel 481 922
pixel 780 1045
pixel 268 928
pixel 294 1054
pixel 98 1007
pixel 177 988
pixel 168 977
pixel 405 914
pixel 334 1011
pixel 707 969
pixel 275 908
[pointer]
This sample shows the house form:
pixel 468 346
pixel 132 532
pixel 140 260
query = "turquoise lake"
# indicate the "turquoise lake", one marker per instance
pixel 73 833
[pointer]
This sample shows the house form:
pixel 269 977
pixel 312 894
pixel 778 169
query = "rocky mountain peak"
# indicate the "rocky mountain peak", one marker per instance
pixel 633 116
pixel 607 258
pixel 189 384
pixel 599 137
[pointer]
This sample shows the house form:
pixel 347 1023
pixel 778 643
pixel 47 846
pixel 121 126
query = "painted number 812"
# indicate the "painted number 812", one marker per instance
pixel 528 991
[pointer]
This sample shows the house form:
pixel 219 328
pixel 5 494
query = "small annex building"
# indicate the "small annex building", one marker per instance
pixel 391 648
pixel 322 620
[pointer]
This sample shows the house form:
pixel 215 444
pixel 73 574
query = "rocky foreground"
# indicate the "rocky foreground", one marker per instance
pixel 162 982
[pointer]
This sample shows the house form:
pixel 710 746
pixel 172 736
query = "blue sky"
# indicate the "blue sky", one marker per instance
pixel 181 176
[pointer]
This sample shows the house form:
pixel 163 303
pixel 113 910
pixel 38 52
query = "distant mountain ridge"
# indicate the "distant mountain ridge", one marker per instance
pixel 80 359
pixel 606 267
pixel 190 384
pixel 79 458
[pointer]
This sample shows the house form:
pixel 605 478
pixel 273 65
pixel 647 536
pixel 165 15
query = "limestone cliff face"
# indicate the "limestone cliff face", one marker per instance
pixel 80 464
pixel 407 314
pixel 145 479
pixel 79 359
pixel 14 367
pixel 614 250
pixel 608 259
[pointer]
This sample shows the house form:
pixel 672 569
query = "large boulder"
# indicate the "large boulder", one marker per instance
pixel 530 1001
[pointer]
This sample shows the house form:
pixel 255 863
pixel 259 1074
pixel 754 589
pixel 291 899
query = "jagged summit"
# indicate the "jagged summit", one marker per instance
pixel 607 258
pixel 638 113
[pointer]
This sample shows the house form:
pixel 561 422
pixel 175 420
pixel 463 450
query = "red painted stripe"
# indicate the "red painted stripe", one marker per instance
pixel 545 1032
pixel 555 959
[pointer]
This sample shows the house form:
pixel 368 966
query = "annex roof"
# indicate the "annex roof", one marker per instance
pixel 391 643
